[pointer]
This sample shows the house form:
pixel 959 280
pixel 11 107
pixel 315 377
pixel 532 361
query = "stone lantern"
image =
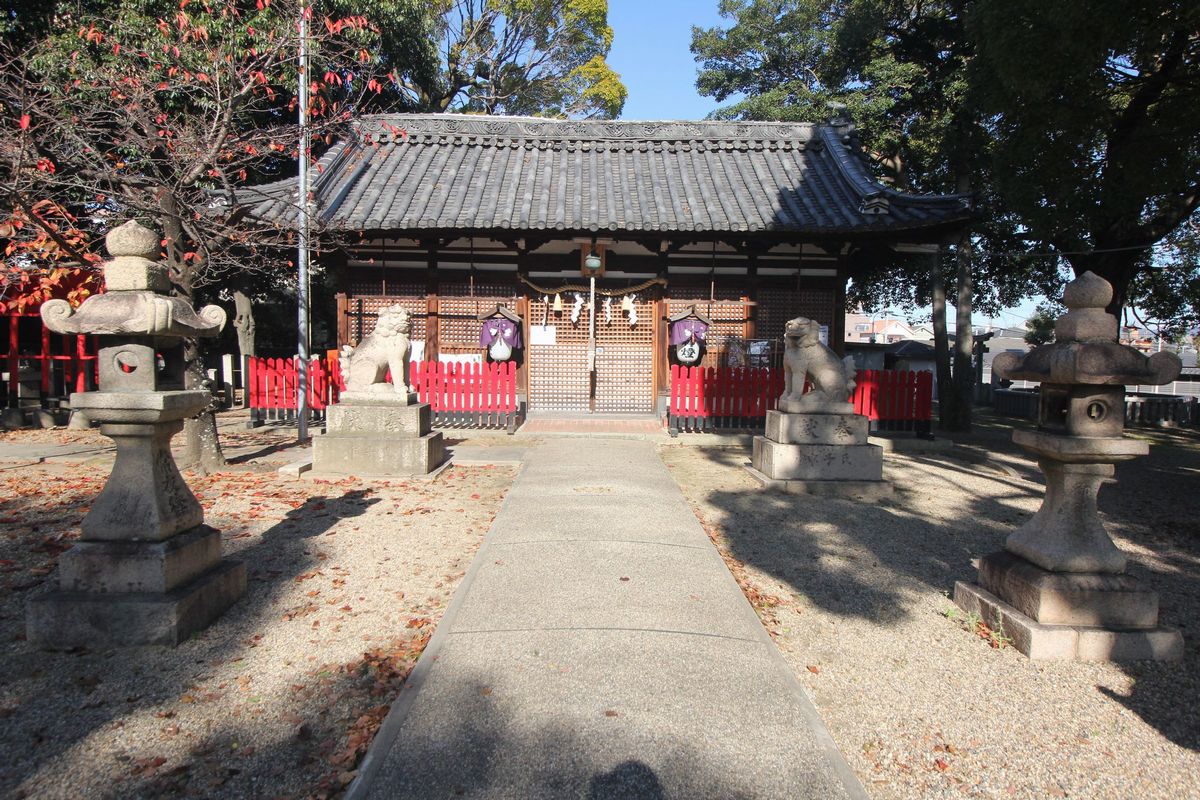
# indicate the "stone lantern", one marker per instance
pixel 146 569
pixel 1059 587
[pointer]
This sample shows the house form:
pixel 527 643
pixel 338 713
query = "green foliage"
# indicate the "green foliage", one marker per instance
pixel 142 108
pixel 526 57
pixel 1092 154
pixel 1095 149
pixel 1039 328
pixel 901 72
pixel 1169 291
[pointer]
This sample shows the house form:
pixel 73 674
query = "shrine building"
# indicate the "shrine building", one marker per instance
pixel 731 228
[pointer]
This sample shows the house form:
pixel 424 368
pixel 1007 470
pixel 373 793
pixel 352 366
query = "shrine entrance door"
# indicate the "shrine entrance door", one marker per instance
pixel 559 376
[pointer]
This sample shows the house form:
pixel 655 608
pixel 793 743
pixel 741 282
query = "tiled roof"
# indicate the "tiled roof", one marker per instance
pixel 444 172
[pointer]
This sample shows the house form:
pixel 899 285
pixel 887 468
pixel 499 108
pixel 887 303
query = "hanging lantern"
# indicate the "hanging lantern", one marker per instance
pixel 626 304
pixel 558 304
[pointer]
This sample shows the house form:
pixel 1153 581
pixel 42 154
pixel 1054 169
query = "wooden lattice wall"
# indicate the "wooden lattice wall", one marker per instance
pixel 777 306
pixel 363 312
pixel 558 374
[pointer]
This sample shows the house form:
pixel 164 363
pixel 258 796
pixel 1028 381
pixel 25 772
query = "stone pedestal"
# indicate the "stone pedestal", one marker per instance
pixel 1058 590
pixel 146 569
pixel 1083 616
pixel 378 434
pixel 819 453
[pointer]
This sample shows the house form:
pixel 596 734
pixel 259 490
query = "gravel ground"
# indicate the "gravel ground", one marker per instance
pixel 278 698
pixel 857 598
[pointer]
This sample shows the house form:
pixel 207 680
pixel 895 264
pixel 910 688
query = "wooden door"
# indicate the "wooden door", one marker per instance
pixel 559 379
pixel 625 360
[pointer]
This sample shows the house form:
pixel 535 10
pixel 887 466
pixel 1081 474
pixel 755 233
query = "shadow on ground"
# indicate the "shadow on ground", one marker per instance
pixel 871 560
pixel 41 722
pixel 487 750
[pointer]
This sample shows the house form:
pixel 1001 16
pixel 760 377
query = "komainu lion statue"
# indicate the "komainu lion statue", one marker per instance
pixel 365 367
pixel 806 359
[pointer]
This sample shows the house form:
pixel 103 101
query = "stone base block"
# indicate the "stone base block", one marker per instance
pixel 125 567
pixel 12 418
pixel 817 462
pixel 383 394
pixel 1068 598
pixel 372 454
pixel 847 490
pixel 62 620
pixel 1043 642
pixel 816 428
pixel 379 419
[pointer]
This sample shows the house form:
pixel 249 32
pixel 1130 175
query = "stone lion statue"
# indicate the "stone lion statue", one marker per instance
pixel 805 359
pixel 365 367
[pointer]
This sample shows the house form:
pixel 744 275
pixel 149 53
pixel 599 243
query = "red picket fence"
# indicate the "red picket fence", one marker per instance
pixel 64 363
pixel 468 395
pixel 462 395
pixel 271 387
pixel 704 398
pixel 709 398
pixel 898 399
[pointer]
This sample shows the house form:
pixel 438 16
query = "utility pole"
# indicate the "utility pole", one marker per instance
pixel 302 235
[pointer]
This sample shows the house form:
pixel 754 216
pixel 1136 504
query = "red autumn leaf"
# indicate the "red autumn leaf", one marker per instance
pixel 941 765
pixel 24 121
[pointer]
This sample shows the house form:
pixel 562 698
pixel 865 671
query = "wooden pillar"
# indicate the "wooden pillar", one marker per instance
pixel 338 262
pixel 432 286
pixel 661 309
pixel 523 369
pixel 523 248
pixel 837 330
pixel 343 319
pixel 13 363
pixel 750 301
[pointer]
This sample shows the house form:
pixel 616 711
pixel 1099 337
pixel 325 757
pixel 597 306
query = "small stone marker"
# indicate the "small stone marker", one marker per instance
pixel 146 569
pixel 1058 588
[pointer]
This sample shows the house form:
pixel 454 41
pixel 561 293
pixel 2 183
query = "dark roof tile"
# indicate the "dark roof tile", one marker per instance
pixel 469 172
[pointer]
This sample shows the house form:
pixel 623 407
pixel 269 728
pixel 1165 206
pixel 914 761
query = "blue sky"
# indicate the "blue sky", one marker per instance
pixel 651 41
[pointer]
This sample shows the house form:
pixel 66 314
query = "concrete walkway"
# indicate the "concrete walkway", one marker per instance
pixel 599 648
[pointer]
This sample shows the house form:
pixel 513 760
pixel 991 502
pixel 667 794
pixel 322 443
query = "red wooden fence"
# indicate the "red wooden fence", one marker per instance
pixel 459 394
pixel 898 399
pixel 271 387
pixel 75 354
pixel 726 397
pixel 706 398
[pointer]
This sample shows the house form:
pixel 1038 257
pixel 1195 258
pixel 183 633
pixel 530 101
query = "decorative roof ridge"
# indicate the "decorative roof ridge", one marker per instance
pixel 854 167
pixel 390 127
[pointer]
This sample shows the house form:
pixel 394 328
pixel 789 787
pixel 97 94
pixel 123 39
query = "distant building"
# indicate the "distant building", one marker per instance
pixel 862 327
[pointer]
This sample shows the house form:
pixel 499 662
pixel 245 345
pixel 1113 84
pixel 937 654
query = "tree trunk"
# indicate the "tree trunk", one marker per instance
pixel 243 322
pixel 941 342
pixel 959 418
pixel 202 447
